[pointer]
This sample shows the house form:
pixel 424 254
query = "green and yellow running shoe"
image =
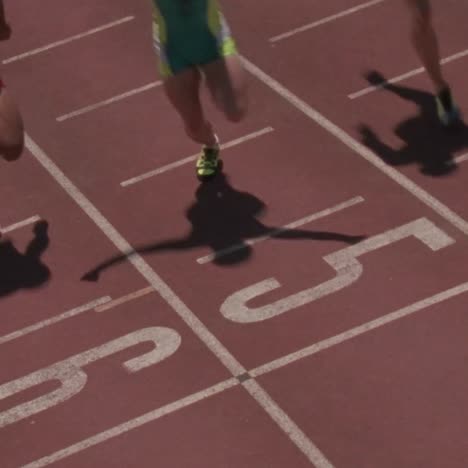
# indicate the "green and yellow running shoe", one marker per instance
pixel 208 163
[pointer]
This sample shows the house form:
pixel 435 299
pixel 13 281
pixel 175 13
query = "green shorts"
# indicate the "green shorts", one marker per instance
pixel 189 33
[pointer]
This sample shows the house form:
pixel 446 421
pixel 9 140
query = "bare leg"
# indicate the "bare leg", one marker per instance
pixel 425 41
pixel 183 90
pixel 426 44
pixel 227 83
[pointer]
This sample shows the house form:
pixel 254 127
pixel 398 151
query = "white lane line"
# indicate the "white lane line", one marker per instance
pixel 360 330
pixel 123 300
pixel 53 45
pixel 196 325
pixel 179 307
pixel 26 222
pixel 405 76
pixel 133 424
pixel 107 102
pixel 275 232
pixel 150 275
pixel 255 390
pixel 289 427
pixel 326 20
pixel 192 158
pixel 461 158
pixel 50 321
pixel 422 195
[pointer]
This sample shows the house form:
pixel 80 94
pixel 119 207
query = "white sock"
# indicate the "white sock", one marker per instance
pixel 216 145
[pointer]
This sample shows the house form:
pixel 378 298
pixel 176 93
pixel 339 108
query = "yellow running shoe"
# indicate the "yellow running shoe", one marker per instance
pixel 208 163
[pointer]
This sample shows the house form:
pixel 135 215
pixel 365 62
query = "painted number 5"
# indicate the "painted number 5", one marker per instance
pixel 344 262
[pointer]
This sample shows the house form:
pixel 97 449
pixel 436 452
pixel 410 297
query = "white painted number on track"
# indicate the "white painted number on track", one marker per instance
pixel 72 378
pixel 344 262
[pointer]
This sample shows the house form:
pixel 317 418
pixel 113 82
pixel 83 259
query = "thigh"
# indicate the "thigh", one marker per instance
pixel 225 75
pixel 227 82
pixel 183 91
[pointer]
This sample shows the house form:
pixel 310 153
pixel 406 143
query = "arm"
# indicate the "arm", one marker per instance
pixel 5 30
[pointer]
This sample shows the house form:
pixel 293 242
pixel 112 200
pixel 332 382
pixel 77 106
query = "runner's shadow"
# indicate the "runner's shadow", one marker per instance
pixel 24 271
pixel 224 219
pixel 426 142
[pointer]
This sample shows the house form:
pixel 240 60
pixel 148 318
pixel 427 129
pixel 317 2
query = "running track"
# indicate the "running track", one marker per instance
pixel 309 309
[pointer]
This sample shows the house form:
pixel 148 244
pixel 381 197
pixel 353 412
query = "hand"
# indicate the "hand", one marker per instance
pixel 5 31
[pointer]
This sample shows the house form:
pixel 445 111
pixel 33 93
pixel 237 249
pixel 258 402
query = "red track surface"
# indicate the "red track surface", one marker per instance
pixel 369 370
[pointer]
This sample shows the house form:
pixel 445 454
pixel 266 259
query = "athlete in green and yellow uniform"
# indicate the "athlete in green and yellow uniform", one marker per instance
pixel 193 39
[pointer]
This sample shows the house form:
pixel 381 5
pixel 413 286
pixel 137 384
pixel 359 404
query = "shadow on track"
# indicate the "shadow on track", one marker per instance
pixel 426 142
pixel 223 218
pixel 24 271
